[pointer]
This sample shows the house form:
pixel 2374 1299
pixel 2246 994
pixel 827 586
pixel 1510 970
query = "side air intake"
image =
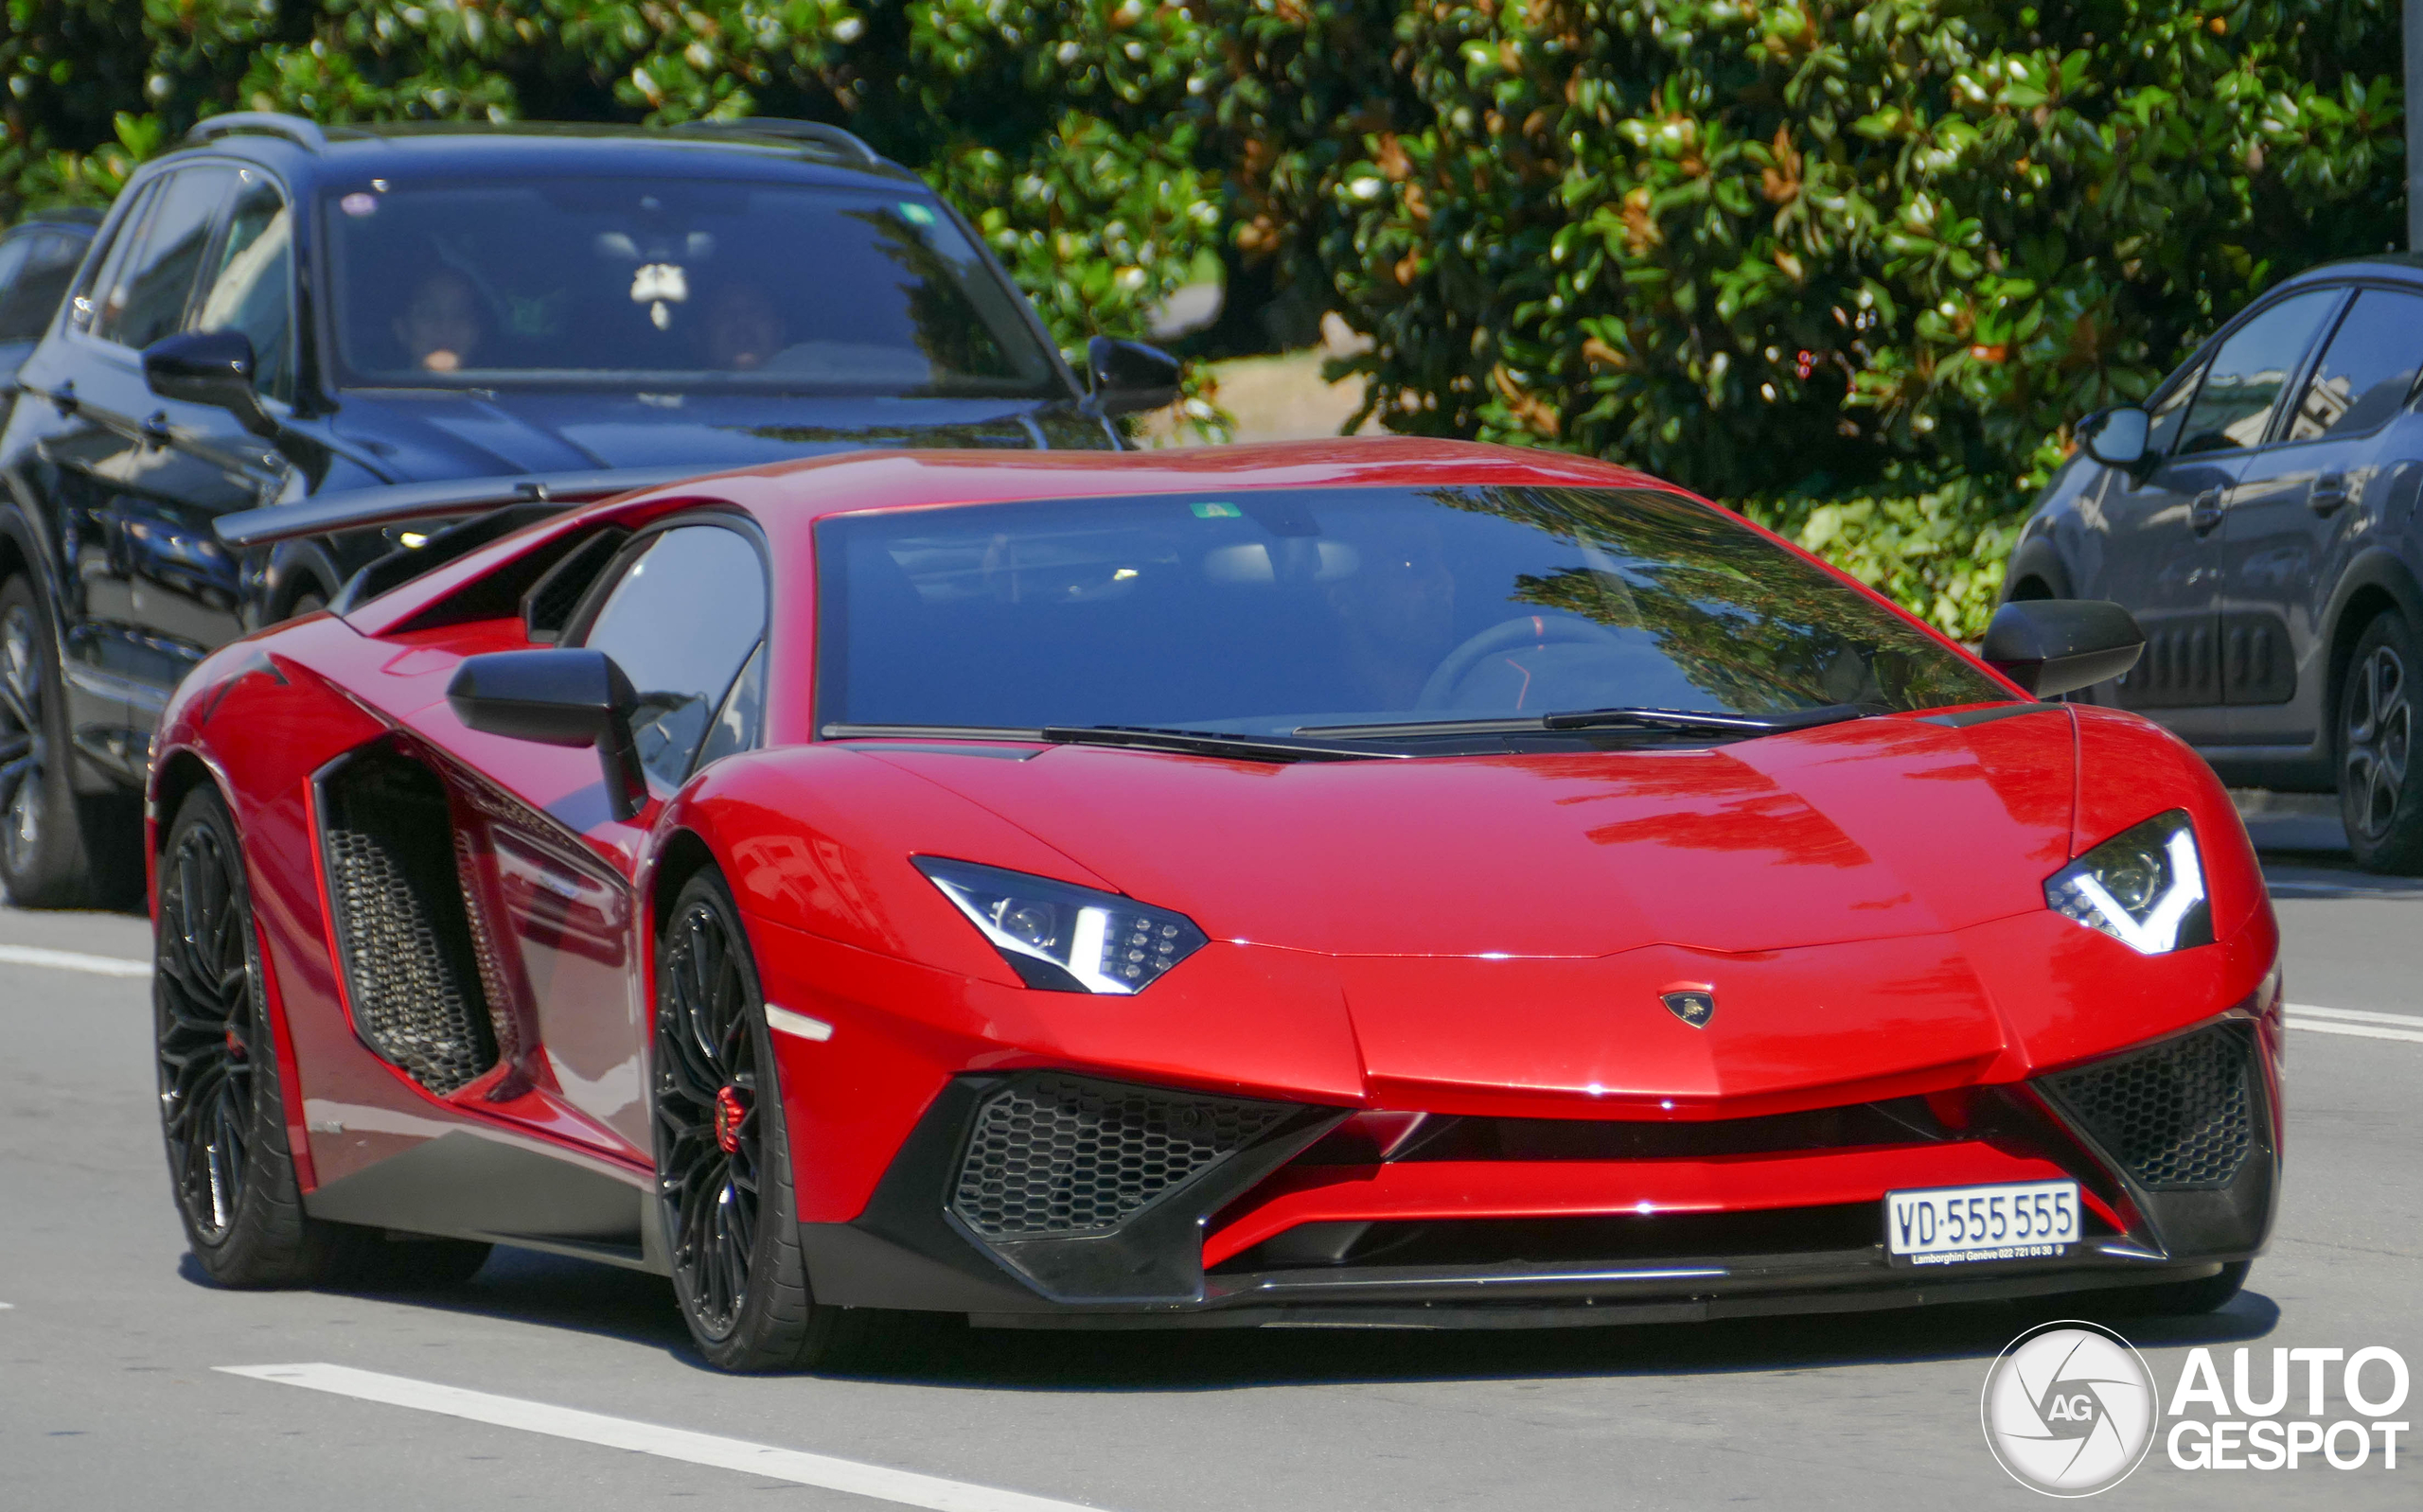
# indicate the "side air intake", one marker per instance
pixel 411 971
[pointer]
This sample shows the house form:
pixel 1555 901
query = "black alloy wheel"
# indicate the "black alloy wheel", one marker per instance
pixel 221 1111
pixel 211 1031
pixel 56 850
pixel 722 1158
pixel 2376 796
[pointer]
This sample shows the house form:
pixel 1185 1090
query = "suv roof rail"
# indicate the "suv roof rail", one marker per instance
pixel 260 123
pixel 848 144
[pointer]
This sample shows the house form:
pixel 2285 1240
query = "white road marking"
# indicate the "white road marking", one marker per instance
pixel 789 1022
pixel 795 1466
pixel 2358 1015
pixel 2363 1031
pixel 73 960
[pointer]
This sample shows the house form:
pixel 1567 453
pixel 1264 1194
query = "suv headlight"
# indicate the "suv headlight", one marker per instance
pixel 1066 938
pixel 2143 887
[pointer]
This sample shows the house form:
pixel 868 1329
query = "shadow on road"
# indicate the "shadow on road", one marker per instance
pixel 528 1287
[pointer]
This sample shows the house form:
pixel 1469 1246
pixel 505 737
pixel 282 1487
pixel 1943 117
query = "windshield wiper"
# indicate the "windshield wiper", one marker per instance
pixel 1140 737
pixel 1209 743
pixel 1682 719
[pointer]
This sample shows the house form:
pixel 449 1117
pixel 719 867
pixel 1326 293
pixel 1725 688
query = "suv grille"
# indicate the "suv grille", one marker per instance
pixel 2178 1116
pixel 1056 1155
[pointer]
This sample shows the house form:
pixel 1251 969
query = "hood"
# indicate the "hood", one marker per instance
pixel 440 435
pixel 1875 829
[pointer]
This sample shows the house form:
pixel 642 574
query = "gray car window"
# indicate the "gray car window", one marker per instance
pixel 248 290
pixel 2367 371
pixel 680 622
pixel 2167 414
pixel 2234 408
pixel 31 295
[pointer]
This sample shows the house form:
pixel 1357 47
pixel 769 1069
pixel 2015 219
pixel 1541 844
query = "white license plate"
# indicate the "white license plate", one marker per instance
pixel 1955 1225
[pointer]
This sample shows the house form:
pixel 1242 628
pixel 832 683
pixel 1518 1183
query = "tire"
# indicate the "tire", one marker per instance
pixel 723 1159
pixel 2379 797
pixel 57 849
pixel 2176 1299
pixel 222 1115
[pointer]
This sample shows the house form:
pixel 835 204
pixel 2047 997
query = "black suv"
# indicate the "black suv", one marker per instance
pixel 2258 516
pixel 280 313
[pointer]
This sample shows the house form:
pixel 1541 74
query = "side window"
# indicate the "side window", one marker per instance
pixel 2168 414
pixel 121 238
pixel 31 295
pixel 2367 370
pixel 249 289
pixel 146 300
pixel 680 621
pixel 2234 407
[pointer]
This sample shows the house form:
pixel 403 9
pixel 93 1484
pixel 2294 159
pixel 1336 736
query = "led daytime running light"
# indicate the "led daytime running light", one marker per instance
pixel 2145 887
pixel 1063 938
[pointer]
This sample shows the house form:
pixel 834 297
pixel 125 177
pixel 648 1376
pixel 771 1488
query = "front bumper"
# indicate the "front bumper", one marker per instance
pixel 1043 1200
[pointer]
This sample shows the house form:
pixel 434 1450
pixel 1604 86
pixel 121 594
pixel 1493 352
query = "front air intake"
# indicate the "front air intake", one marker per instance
pixel 2178 1115
pixel 1054 1156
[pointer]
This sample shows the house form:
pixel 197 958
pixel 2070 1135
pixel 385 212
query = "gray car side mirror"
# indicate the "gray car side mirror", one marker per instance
pixel 2117 437
pixel 2051 646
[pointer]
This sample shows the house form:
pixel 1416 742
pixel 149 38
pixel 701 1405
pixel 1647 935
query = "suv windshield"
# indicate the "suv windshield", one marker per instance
pixel 653 283
pixel 1284 613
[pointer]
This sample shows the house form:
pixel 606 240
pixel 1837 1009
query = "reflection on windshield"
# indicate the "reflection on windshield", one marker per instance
pixel 751 286
pixel 1263 613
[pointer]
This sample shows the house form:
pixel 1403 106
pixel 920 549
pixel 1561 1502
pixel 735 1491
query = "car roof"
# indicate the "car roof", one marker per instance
pixel 305 152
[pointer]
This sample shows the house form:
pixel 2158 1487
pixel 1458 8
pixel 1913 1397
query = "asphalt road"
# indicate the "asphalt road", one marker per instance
pixel 113 1394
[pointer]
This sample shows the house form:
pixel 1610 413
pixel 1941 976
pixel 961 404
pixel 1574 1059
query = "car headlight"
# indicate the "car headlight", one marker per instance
pixel 2143 887
pixel 1066 938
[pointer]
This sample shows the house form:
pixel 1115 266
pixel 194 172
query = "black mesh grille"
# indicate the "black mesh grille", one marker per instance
pixel 411 969
pixel 2178 1116
pixel 484 950
pixel 1057 1155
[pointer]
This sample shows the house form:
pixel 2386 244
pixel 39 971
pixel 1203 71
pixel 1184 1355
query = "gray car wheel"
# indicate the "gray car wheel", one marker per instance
pixel 2378 794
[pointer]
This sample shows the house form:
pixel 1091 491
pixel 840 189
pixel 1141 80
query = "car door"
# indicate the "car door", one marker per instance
pixel 183 594
pixel 2300 506
pixel 2162 525
pixel 114 457
pixel 683 611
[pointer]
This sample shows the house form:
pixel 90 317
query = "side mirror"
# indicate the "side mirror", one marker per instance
pixel 2117 438
pixel 569 697
pixel 208 367
pixel 1129 376
pixel 2050 646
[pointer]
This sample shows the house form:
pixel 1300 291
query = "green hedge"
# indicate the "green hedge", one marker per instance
pixel 1853 267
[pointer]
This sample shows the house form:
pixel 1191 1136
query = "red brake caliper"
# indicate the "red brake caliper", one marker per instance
pixel 730 1111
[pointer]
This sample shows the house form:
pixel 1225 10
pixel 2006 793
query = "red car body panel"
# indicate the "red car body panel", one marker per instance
pixel 1477 937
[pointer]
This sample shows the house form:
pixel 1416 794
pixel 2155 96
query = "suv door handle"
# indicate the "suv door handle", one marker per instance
pixel 2205 512
pixel 63 398
pixel 155 429
pixel 2328 492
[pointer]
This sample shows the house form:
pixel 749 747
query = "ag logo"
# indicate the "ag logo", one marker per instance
pixel 1694 1003
pixel 2069 1408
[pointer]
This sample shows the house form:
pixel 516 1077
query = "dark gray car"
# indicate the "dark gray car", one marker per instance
pixel 2258 516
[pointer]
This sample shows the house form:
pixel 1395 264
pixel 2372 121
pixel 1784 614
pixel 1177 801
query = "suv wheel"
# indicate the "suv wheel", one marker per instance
pixel 2376 796
pixel 56 851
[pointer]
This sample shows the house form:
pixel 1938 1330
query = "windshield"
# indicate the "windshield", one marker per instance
pixel 1271 613
pixel 653 284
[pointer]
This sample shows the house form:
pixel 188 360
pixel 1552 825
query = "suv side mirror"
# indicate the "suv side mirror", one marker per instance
pixel 2050 646
pixel 1127 376
pixel 208 367
pixel 2117 438
pixel 569 698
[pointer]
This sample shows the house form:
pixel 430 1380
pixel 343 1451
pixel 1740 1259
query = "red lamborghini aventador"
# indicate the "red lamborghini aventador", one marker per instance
pixel 1390 883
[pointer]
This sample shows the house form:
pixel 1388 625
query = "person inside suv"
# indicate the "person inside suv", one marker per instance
pixel 440 327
